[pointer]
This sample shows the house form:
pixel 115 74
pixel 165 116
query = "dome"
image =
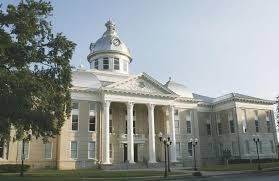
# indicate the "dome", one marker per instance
pixel 109 43
pixel 81 78
pixel 179 89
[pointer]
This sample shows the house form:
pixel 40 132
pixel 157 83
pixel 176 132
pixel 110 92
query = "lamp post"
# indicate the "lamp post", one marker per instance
pixel 194 142
pixel 167 142
pixel 256 139
pixel 22 151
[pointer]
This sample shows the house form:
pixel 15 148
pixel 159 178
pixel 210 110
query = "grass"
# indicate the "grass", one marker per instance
pixel 84 174
pixel 239 167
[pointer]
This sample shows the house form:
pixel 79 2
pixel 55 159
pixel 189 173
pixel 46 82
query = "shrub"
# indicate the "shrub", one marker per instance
pixel 197 174
pixel 13 168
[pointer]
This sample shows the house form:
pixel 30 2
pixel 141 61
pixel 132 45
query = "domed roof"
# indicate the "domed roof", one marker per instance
pixel 179 89
pixel 84 79
pixel 109 43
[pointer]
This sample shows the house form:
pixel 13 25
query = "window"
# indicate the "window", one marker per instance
pixel 92 122
pixel 221 149
pixel 268 126
pixel 247 146
pixel 116 63
pixel 244 122
pixel 208 129
pixel 271 146
pixel 190 149
pixel 1 149
pixel 105 63
pixel 74 150
pixel 189 129
pixel 126 127
pixel 74 122
pixel 210 148
pixel 232 126
pixel 110 120
pixel 96 64
pixel 257 125
pixel 219 128
pixel 177 149
pixel 176 112
pixel 260 147
pixel 110 150
pixel 75 112
pixel 176 125
pixel 234 149
pixel 25 151
pixel 91 150
pixel 110 126
pixel 75 105
pixel 48 150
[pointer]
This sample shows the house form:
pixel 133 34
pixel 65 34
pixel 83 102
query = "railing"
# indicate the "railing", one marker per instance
pixel 136 136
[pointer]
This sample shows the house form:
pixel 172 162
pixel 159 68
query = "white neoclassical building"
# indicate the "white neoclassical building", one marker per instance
pixel 117 116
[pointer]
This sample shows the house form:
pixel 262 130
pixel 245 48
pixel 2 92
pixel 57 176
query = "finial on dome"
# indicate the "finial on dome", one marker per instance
pixel 110 25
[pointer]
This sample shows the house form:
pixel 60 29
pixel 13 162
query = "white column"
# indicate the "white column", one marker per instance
pixel 105 133
pixel 152 158
pixel 130 106
pixel 172 134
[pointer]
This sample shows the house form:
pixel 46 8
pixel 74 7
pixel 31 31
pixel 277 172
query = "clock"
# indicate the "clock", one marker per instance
pixel 116 42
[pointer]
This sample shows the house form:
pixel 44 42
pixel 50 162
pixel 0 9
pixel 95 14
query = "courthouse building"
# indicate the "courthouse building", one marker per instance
pixel 117 116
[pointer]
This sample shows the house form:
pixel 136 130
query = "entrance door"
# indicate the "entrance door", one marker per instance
pixel 136 152
pixel 125 152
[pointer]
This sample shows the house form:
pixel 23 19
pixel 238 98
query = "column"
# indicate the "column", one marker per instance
pixel 152 158
pixel 105 132
pixel 130 117
pixel 172 134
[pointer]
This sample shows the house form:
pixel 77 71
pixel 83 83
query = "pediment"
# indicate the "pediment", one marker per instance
pixel 141 83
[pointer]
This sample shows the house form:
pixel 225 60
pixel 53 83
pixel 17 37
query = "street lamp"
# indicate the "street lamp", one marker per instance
pixel 256 139
pixel 27 138
pixel 194 142
pixel 167 142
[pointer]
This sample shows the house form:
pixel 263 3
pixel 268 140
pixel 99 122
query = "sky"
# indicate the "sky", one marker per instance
pixel 214 47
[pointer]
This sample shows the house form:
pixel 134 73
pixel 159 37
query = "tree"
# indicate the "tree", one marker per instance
pixel 35 72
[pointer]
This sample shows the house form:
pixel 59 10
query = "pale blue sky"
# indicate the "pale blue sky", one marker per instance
pixel 212 46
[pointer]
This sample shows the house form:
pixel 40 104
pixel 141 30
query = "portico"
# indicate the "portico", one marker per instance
pixel 140 130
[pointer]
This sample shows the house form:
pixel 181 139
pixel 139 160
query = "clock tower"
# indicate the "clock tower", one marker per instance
pixel 109 53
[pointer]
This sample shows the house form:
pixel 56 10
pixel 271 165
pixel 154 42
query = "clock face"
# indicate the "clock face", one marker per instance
pixel 116 42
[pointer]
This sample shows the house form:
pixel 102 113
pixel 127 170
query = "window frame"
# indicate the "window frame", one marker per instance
pixel 75 112
pixel 116 66
pixel 178 145
pixel 190 149
pixel 90 123
pixel 75 122
pixel 105 65
pixel 210 129
pixel 232 126
pixel 94 150
pixel 51 147
pixel 177 129
pixel 26 156
pixel 72 150
pixel 257 125
pixel 189 128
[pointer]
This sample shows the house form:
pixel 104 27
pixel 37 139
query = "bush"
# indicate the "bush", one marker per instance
pixel 264 160
pixel 13 168
pixel 197 174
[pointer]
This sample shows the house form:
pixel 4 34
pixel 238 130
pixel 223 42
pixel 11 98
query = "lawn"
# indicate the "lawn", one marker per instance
pixel 84 174
pixel 239 167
